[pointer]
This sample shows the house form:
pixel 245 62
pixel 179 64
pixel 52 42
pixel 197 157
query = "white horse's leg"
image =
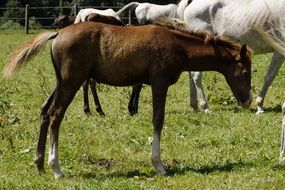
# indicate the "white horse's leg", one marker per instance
pixel 193 93
pixel 275 64
pixel 196 78
pixel 282 149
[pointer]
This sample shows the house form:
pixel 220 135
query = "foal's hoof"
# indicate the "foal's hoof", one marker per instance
pixel 87 112
pixel 132 113
pixel 102 114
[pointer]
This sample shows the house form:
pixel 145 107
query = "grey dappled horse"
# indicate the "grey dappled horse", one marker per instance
pixel 237 19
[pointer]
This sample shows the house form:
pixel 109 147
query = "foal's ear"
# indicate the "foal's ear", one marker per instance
pixel 243 52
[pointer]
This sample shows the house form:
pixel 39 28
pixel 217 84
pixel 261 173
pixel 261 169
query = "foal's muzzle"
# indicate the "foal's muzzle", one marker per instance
pixel 246 103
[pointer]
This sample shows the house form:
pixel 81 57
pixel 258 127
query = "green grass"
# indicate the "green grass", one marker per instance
pixel 230 148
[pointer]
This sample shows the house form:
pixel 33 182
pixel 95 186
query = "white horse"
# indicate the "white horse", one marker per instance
pixel 147 12
pixel 237 19
pixel 84 13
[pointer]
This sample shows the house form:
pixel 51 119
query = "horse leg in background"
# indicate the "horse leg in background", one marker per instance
pixel 44 123
pixel 134 100
pixel 282 149
pixel 193 93
pixel 197 91
pixel 275 64
pixel 86 107
pixel 159 92
pixel 98 107
pixel 62 99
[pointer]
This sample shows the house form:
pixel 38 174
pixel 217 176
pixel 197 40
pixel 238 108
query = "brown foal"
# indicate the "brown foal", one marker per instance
pixel 124 56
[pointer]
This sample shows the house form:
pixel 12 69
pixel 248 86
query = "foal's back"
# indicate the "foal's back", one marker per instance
pixel 113 54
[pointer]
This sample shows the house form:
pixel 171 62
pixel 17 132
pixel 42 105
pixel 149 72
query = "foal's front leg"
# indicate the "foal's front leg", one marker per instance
pixel 159 92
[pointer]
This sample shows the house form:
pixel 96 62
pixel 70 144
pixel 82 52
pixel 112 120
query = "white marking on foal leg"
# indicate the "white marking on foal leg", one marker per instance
pixel 275 64
pixel 53 161
pixel 155 154
pixel 282 149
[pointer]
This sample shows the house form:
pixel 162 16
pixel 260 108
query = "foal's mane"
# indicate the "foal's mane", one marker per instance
pixel 180 26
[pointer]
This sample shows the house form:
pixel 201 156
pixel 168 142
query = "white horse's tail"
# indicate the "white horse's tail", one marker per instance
pixel 275 35
pixel 78 17
pixel 181 8
pixel 131 6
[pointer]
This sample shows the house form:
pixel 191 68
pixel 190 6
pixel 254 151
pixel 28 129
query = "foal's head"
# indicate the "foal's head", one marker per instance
pixel 236 66
pixel 238 76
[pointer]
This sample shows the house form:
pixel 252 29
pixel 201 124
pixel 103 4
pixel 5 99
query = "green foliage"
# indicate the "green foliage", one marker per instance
pixel 229 148
pixel 10 24
pixel 13 10
pixel 33 23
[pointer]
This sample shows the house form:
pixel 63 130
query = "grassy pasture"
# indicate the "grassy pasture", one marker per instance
pixel 230 148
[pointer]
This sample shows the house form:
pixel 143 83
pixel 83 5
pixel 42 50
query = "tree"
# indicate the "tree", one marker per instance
pixel 13 10
pixel 3 3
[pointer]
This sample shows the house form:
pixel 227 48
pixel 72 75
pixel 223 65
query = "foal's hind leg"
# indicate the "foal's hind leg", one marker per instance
pixel 134 100
pixel 62 98
pixel 98 107
pixel 44 123
pixel 272 71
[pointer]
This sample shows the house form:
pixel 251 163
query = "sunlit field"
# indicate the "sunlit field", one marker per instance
pixel 229 148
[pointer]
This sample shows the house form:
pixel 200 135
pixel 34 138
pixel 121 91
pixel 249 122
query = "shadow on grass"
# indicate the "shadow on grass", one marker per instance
pixel 118 174
pixel 177 169
pixel 174 167
pixel 278 167
pixel 237 109
pixel 273 109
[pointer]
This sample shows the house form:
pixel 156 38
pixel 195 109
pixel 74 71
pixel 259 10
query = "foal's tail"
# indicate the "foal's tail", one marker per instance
pixel 131 6
pixel 26 52
pixel 275 36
